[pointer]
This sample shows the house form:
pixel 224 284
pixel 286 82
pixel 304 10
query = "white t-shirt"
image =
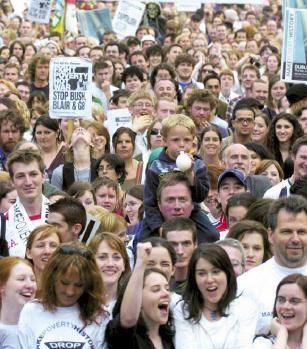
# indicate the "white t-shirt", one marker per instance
pixel 40 329
pixel 260 283
pixel 236 331
pixel 8 340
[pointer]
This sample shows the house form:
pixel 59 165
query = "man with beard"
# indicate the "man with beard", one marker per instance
pixel 12 128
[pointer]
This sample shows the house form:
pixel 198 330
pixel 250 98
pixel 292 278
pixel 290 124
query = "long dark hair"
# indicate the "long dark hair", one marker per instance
pixel 166 331
pixel 192 297
pixel 272 140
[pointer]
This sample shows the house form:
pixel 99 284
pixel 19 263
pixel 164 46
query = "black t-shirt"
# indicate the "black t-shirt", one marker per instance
pixel 45 89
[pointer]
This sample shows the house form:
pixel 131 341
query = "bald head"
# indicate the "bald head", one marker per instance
pixel 237 156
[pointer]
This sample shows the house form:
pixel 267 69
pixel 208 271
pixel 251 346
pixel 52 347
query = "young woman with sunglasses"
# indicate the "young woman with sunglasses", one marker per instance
pixel 154 141
pixel 289 325
pixel 70 311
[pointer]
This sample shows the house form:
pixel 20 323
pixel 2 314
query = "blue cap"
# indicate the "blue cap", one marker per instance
pixel 232 173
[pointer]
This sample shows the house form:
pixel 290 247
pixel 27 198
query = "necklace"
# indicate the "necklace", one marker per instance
pixel 214 314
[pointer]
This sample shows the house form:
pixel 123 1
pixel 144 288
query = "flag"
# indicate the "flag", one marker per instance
pixel 57 24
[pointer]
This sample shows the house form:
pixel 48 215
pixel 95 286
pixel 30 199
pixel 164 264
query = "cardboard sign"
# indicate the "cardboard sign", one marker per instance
pixel 127 18
pixel 70 81
pixel 39 11
pixel 118 118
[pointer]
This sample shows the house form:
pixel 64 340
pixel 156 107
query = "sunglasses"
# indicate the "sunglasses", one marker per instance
pixel 71 250
pixel 156 132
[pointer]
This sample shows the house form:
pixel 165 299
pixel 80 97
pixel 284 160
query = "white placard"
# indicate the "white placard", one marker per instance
pixel 70 83
pixel 127 18
pixel 294 53
pixel 39 11
pixel 19 6
pixel 188 6
pixel 118 118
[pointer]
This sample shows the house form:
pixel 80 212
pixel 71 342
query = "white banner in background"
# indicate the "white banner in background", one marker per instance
pixel 127 17
pixel 117 118
pixel 294 53
pixel 39 11
pixel 70 83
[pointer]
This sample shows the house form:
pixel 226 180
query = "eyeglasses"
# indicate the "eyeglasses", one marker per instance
pixel 156 132
pixel 244 120
pixel 292 301
pixel 143 105
pixel 71 250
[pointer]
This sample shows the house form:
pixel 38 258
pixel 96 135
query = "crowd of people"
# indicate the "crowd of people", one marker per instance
pixel 184 229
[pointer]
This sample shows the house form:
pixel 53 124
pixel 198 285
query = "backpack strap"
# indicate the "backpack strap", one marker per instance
pixel 4 251
pixel 139 171
pixel 68 175
pixel 3 225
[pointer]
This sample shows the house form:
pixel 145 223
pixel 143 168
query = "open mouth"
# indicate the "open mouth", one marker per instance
pixel 212 289
pixel 163 307
pixel 109 272
pixel 27 295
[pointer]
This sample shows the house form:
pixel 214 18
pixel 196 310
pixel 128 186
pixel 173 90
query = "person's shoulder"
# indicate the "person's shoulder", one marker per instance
pixel 256 272
pixel 162 163
pixel 243 307
pixel 274 192
pixel 33 306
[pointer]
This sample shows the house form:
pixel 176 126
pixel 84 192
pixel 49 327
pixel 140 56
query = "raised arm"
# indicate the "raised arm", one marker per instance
pixel 132 301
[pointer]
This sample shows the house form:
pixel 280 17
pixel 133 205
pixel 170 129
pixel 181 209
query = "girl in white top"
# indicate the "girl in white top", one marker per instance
pixel 289 325
pixel 17 287
pixel 211 315
pixel 70 312
pixel 113 262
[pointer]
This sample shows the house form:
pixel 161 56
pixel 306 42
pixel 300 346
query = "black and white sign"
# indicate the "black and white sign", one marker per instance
pixel 39 11
pixel 70 88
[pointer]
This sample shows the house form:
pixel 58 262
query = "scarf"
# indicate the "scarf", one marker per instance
pixel 19 226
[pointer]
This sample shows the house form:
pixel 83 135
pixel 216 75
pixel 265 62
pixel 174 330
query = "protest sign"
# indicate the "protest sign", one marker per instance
pixel 187 6
pixel 127 18
pixel 294 53
pixel 94 23
pixel 39 11
pixel 70 81
pixel 19 6
pixel 117 118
